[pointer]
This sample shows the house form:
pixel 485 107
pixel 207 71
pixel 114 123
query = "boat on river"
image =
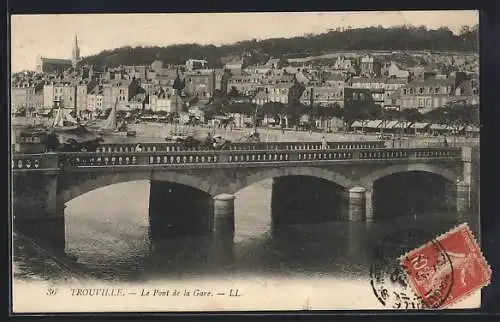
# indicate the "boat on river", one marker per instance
pixel 114 127
pixel 65 122
pixel 71 136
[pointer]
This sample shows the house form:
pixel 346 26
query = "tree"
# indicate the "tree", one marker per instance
pixel 295 92
pixel 233 92
pixel 258 52
pixel 194 100
pixel 179 84
pixel 218 98
pixel 241 108
pixel 282 63
pixel 411 115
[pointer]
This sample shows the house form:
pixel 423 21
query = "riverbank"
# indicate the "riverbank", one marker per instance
pixel 148 132
pixel 159 131
pixel 31 261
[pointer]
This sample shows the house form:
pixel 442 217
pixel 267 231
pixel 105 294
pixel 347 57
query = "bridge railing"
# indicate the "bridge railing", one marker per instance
pixel 43 161
pixel 241 146
pixel 118 159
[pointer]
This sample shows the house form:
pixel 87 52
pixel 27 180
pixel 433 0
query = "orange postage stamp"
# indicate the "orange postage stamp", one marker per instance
pixel 447 269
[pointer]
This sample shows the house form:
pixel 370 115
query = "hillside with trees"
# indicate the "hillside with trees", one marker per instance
pixel 259 51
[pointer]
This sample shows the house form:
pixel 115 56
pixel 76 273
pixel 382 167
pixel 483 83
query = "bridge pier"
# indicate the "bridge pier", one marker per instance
pixel 222 244
pixel 37 213
pixel 369 203
pixel 357 203
pixel 463 196
pixel 224 214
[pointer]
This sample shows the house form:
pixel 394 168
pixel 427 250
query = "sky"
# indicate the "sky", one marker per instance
pixel 53 35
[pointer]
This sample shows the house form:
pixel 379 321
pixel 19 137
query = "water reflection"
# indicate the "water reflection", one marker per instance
pixel 115 243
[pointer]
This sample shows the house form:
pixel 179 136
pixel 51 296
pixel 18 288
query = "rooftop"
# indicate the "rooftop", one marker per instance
pixel 55 60
pixel 431 82
pixel 335 78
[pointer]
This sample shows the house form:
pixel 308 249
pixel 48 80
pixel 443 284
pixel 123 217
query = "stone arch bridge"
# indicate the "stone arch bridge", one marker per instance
pixel 43 183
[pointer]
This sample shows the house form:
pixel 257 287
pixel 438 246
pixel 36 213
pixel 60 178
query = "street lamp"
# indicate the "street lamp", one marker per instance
pixel 255 119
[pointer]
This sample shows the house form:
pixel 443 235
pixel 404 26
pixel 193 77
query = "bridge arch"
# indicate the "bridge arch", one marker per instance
pixel 398 168
pixel 83 186
pixel 270 173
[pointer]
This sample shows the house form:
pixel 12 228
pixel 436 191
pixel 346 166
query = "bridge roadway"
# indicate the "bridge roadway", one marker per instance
pixel 243 146
pixel 47 181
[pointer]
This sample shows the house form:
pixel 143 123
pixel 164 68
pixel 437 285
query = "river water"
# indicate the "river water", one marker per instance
pixel 107 234
pixel 107 237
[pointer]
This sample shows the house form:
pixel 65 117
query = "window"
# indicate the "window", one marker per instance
pixel 421 90
pixel 404 91
pixel 436 90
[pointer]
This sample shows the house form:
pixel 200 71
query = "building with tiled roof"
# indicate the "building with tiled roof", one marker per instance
pixel 260 98
pixel 429 94
pixel 70 94
pixel 273 62
pixel 277 92
pixel 334 78
pixel 303 77
pixel 467 92
pixel 258 69
pixel 244 83
pixel 51 65
pixel 27 95
pixel 396 70
pixel 343 64
pixel 280 78
pixel 138 101
pixel 234 64
pixel 323 96
pixel 95 98
pixel 366 82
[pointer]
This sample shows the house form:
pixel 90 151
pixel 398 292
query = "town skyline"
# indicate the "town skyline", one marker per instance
pixel 32 35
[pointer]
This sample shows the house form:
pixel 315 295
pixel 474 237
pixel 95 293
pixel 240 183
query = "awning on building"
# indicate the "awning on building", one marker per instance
pixel 374 124
pixel 403 125
pixel 471 129
pixel 419 125
pixel 359 124
pixel 390 124
pixel 439 127
pixel 44 112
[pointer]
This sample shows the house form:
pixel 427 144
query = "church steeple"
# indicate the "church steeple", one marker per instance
pixel 75 57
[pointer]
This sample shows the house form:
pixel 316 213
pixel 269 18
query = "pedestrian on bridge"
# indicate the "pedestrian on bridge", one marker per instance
pixel 52 143
pixel 324 144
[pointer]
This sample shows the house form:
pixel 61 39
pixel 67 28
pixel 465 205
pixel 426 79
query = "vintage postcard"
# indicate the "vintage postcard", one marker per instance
pixel 245 161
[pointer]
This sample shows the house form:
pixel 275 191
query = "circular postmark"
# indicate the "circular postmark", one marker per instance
pixel 389 279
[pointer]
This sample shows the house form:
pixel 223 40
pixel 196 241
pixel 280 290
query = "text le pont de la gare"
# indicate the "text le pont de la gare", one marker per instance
pixel 153 292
